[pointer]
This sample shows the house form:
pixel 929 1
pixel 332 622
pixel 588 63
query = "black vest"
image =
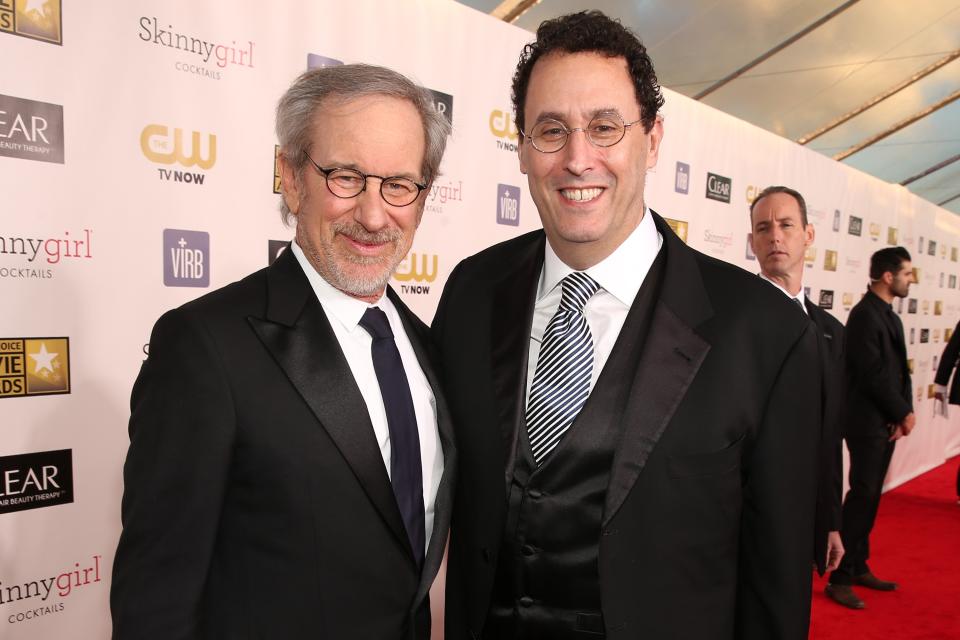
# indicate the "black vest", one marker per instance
pixel 547 583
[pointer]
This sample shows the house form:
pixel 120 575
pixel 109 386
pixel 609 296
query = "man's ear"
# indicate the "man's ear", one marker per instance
pixel 811 233
pixel 288 184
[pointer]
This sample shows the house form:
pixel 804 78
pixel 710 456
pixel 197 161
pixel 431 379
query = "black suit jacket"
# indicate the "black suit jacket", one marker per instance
pixel 708 519
pixel 948 362
pixel 256 501
pixel 830 458
pixel 878 382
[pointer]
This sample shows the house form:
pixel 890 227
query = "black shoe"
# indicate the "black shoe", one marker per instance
pixel 871 581
pixel 843 594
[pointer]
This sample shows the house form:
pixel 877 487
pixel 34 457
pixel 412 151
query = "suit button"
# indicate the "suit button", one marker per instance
pixel 536 494
pixel 526 601
pixel 527 550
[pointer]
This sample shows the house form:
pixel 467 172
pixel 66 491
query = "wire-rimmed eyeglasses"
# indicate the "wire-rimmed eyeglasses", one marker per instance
pixel 604 130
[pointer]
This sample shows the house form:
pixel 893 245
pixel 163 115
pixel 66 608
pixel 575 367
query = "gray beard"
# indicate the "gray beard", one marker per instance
pixel 330 265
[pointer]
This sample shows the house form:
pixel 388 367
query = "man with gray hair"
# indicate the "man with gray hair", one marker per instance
pixel 290 453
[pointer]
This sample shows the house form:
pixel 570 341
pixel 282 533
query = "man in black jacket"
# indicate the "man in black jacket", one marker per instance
pixel 635 441
pixel 780 235
pixel 948 362
pixel 879 412
pixel 291 456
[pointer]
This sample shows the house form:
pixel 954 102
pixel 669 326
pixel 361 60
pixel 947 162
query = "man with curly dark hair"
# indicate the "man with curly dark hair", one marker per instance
pixel 636 433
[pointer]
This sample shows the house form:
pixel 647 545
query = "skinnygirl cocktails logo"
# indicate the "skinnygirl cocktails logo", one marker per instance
pixel 23 601
pixel 196 56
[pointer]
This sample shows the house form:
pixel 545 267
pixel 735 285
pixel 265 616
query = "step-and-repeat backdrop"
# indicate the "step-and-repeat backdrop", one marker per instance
pixel 137 171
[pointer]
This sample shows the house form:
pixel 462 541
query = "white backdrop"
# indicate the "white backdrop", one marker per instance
pixel 121 183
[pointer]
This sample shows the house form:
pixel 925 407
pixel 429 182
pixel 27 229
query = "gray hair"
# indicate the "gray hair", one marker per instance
pixel 297 107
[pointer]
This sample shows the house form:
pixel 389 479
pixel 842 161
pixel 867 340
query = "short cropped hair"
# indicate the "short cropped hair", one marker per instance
pixel 590 32
pixel 781 189
pixel 298 106
pixel 889 259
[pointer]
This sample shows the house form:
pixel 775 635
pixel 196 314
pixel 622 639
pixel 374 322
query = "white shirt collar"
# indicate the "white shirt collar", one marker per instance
pixel 347 310
pixel 621 273
pixel 799 297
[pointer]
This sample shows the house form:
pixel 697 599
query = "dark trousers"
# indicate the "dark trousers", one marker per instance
pixel 869 460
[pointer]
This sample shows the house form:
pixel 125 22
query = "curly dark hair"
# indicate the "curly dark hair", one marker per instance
pixel 590 31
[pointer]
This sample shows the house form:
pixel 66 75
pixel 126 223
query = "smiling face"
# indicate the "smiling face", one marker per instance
pixel 355 244
pixel 590 198
pixel 780 239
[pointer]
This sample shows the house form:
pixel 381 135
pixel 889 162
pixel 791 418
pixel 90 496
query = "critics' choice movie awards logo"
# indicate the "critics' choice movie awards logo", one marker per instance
pixel 276 169
pixel 34 255
pixel 826 299
pixel 508 205
pixel 443 103
pixel 188 149
pixel 416 271
pixel 195 55
pixel 718 188
pixel 504 130
pixel 679 227
pixel 830 260
pixel 855 228
pixel 31 130
pixel 186 258
pixel 34 366
pixel 681 181
pixel 35 480
pixel 36 19
pixel 23 601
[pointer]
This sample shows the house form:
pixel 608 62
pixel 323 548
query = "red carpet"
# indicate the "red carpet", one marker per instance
pixel 916 542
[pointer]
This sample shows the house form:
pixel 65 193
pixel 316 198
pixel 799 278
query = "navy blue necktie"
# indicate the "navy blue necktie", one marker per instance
pixel 406 473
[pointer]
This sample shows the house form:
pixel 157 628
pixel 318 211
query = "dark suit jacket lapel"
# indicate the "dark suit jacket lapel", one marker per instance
pixel 671 357
pixel 443 506
pixel 297 333
pixel 514 298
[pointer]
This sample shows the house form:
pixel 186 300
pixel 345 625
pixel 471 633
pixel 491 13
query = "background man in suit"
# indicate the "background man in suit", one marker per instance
pixel 879 411
pixel 780 235
pixel 290 453
pixel 634 442
pixel 948 362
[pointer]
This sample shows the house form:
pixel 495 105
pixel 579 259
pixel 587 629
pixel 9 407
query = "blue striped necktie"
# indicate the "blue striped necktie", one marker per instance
pixel 561 382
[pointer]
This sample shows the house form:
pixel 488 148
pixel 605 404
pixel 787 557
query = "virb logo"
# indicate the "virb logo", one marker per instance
pixel 186 258
pixel 508 205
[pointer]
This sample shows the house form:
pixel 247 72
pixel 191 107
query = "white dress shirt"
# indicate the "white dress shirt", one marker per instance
pixel 344 314
pixel 799 297
pixel 620 276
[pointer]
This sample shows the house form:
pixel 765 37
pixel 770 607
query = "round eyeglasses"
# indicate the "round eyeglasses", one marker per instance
pixel 604 130
pixel 349 183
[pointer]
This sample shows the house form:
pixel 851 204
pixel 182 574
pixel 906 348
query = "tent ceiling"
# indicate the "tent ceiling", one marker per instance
pixel 884 73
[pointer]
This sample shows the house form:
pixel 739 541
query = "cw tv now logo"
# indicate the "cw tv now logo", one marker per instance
pixel 186 258
pixel 160 145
